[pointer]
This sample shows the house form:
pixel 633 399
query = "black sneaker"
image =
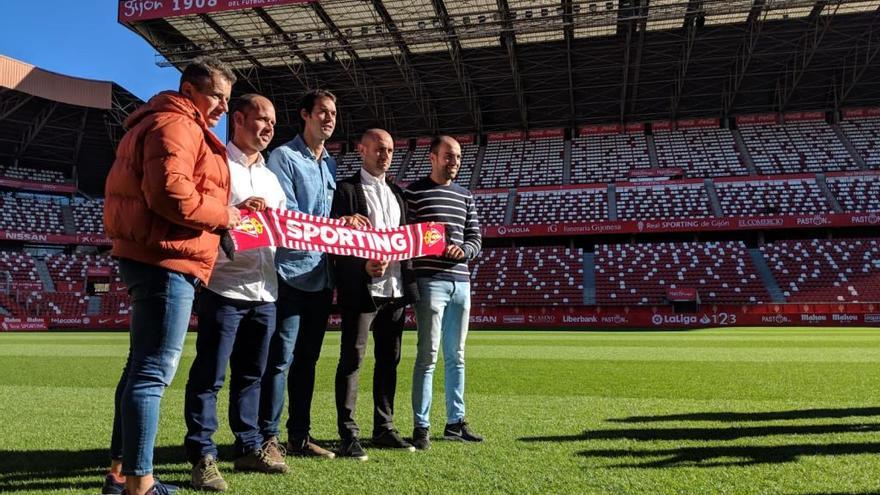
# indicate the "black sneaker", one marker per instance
pixel 391 439
pixel 460 431
pixel 159 488
pixel 420 438
pixel 112 486
pixel 351 448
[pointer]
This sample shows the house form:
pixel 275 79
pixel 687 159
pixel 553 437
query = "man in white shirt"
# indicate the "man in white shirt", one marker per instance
pixel 237 315
pixel 371 296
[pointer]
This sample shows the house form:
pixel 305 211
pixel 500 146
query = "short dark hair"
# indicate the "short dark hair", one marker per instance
pixel 200 71
pixel 438 140
pixel 307 103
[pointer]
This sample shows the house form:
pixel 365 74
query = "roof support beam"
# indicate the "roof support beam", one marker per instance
pixel 413 82
pixel 568 23
pixel 81 132
pixel 508 36
pixel 232 41
pixel 692 21
pixel 8 106
pixel 300 72
pixel 857 61
pixel 34 129
pixel 635 19
pixel 360 79
pixel 467 87
pixel 809 43
pixel 754 24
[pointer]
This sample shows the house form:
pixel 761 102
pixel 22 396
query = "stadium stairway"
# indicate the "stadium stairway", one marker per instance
pixel 67 220
pixel 823 186
pixel 478 165
pixel 407 159
pixel 43 272
pixel 510 209
pixel 709 184
pixel 849 147
pixel 652 151
pixel 612 202
pixel 743 151
pixel 566 162
pixel 94 307
pixel 589 263
pixel 766 275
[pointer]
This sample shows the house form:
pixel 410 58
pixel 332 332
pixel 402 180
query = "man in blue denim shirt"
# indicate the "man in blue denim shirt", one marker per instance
pixel 307 175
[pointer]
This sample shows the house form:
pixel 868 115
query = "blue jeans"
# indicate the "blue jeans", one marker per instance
pixel 295 347
pixel 161 303
pixel 236 333
pixel 442 316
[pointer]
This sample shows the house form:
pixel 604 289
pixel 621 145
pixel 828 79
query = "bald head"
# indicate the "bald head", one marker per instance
pixel 253 123
pixel 376 135
pixel 376 149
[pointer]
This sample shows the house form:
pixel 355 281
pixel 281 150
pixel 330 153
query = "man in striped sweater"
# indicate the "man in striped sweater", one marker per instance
pixel 444 290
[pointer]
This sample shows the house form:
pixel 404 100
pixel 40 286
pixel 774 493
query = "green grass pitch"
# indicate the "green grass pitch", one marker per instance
pixel 738 411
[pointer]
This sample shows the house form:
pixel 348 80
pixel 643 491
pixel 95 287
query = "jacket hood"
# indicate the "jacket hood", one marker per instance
pixel 165 102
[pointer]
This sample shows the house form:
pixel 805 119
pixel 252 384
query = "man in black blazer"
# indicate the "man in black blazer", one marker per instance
pixel 371 295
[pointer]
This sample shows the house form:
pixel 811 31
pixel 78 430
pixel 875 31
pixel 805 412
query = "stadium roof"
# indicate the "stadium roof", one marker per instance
pixel 57 122
pixel 418 66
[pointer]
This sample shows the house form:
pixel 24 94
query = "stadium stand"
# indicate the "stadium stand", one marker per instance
pixel 32 174
pixel 17 267
pixel 349 163
pixel 30 214
pixel 565 205
pixel 420 164
pixel 663 202
pixel 857 193
pixel 88 216
pixel 795 148
pixel 722 272
pixel 491 208
pixel 864 135
pixel 700 152
pixel 528 276
pixel 522 163
pixel 74 267
pixel 845 270
pixel 771 197
pixel 607 157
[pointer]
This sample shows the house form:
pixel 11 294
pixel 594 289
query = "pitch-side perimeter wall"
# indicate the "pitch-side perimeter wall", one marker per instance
pixel 576 317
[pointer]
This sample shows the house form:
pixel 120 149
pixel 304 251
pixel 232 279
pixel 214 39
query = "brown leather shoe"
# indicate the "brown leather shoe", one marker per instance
pixel 260 461
pixel 305 447
pixel 274 449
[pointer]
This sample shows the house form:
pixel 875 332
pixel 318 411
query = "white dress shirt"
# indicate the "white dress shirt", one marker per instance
pixel 384 212
pixel 251 276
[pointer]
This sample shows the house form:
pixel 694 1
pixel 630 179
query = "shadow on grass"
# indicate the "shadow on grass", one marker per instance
pixel 706 434
pixel 757 416
pixel 27 470
pixel 723 455
pixel 705 457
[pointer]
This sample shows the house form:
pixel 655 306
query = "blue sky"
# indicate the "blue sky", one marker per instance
pixel 82 38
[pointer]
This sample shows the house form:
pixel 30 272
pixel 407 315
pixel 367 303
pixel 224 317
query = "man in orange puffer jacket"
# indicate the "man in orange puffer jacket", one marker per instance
pixel 166 199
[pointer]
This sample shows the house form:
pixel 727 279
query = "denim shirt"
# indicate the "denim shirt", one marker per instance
pixel 308 184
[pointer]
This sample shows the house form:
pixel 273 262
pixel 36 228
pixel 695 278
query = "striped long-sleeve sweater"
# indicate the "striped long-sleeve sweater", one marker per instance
pixel 453 206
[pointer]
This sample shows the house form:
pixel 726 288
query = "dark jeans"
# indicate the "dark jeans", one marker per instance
pixel 387 327
pixel 237 333
pixel 296 346
pixel 161 303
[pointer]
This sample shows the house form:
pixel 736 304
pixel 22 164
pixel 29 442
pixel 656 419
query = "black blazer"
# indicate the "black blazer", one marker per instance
pixel 352 280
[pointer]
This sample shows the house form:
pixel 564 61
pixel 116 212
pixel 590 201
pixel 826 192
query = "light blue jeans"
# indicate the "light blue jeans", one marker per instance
pixel 161 303
pixel 442 316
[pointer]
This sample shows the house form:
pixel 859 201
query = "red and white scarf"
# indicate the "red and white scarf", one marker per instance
pixel 295 230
